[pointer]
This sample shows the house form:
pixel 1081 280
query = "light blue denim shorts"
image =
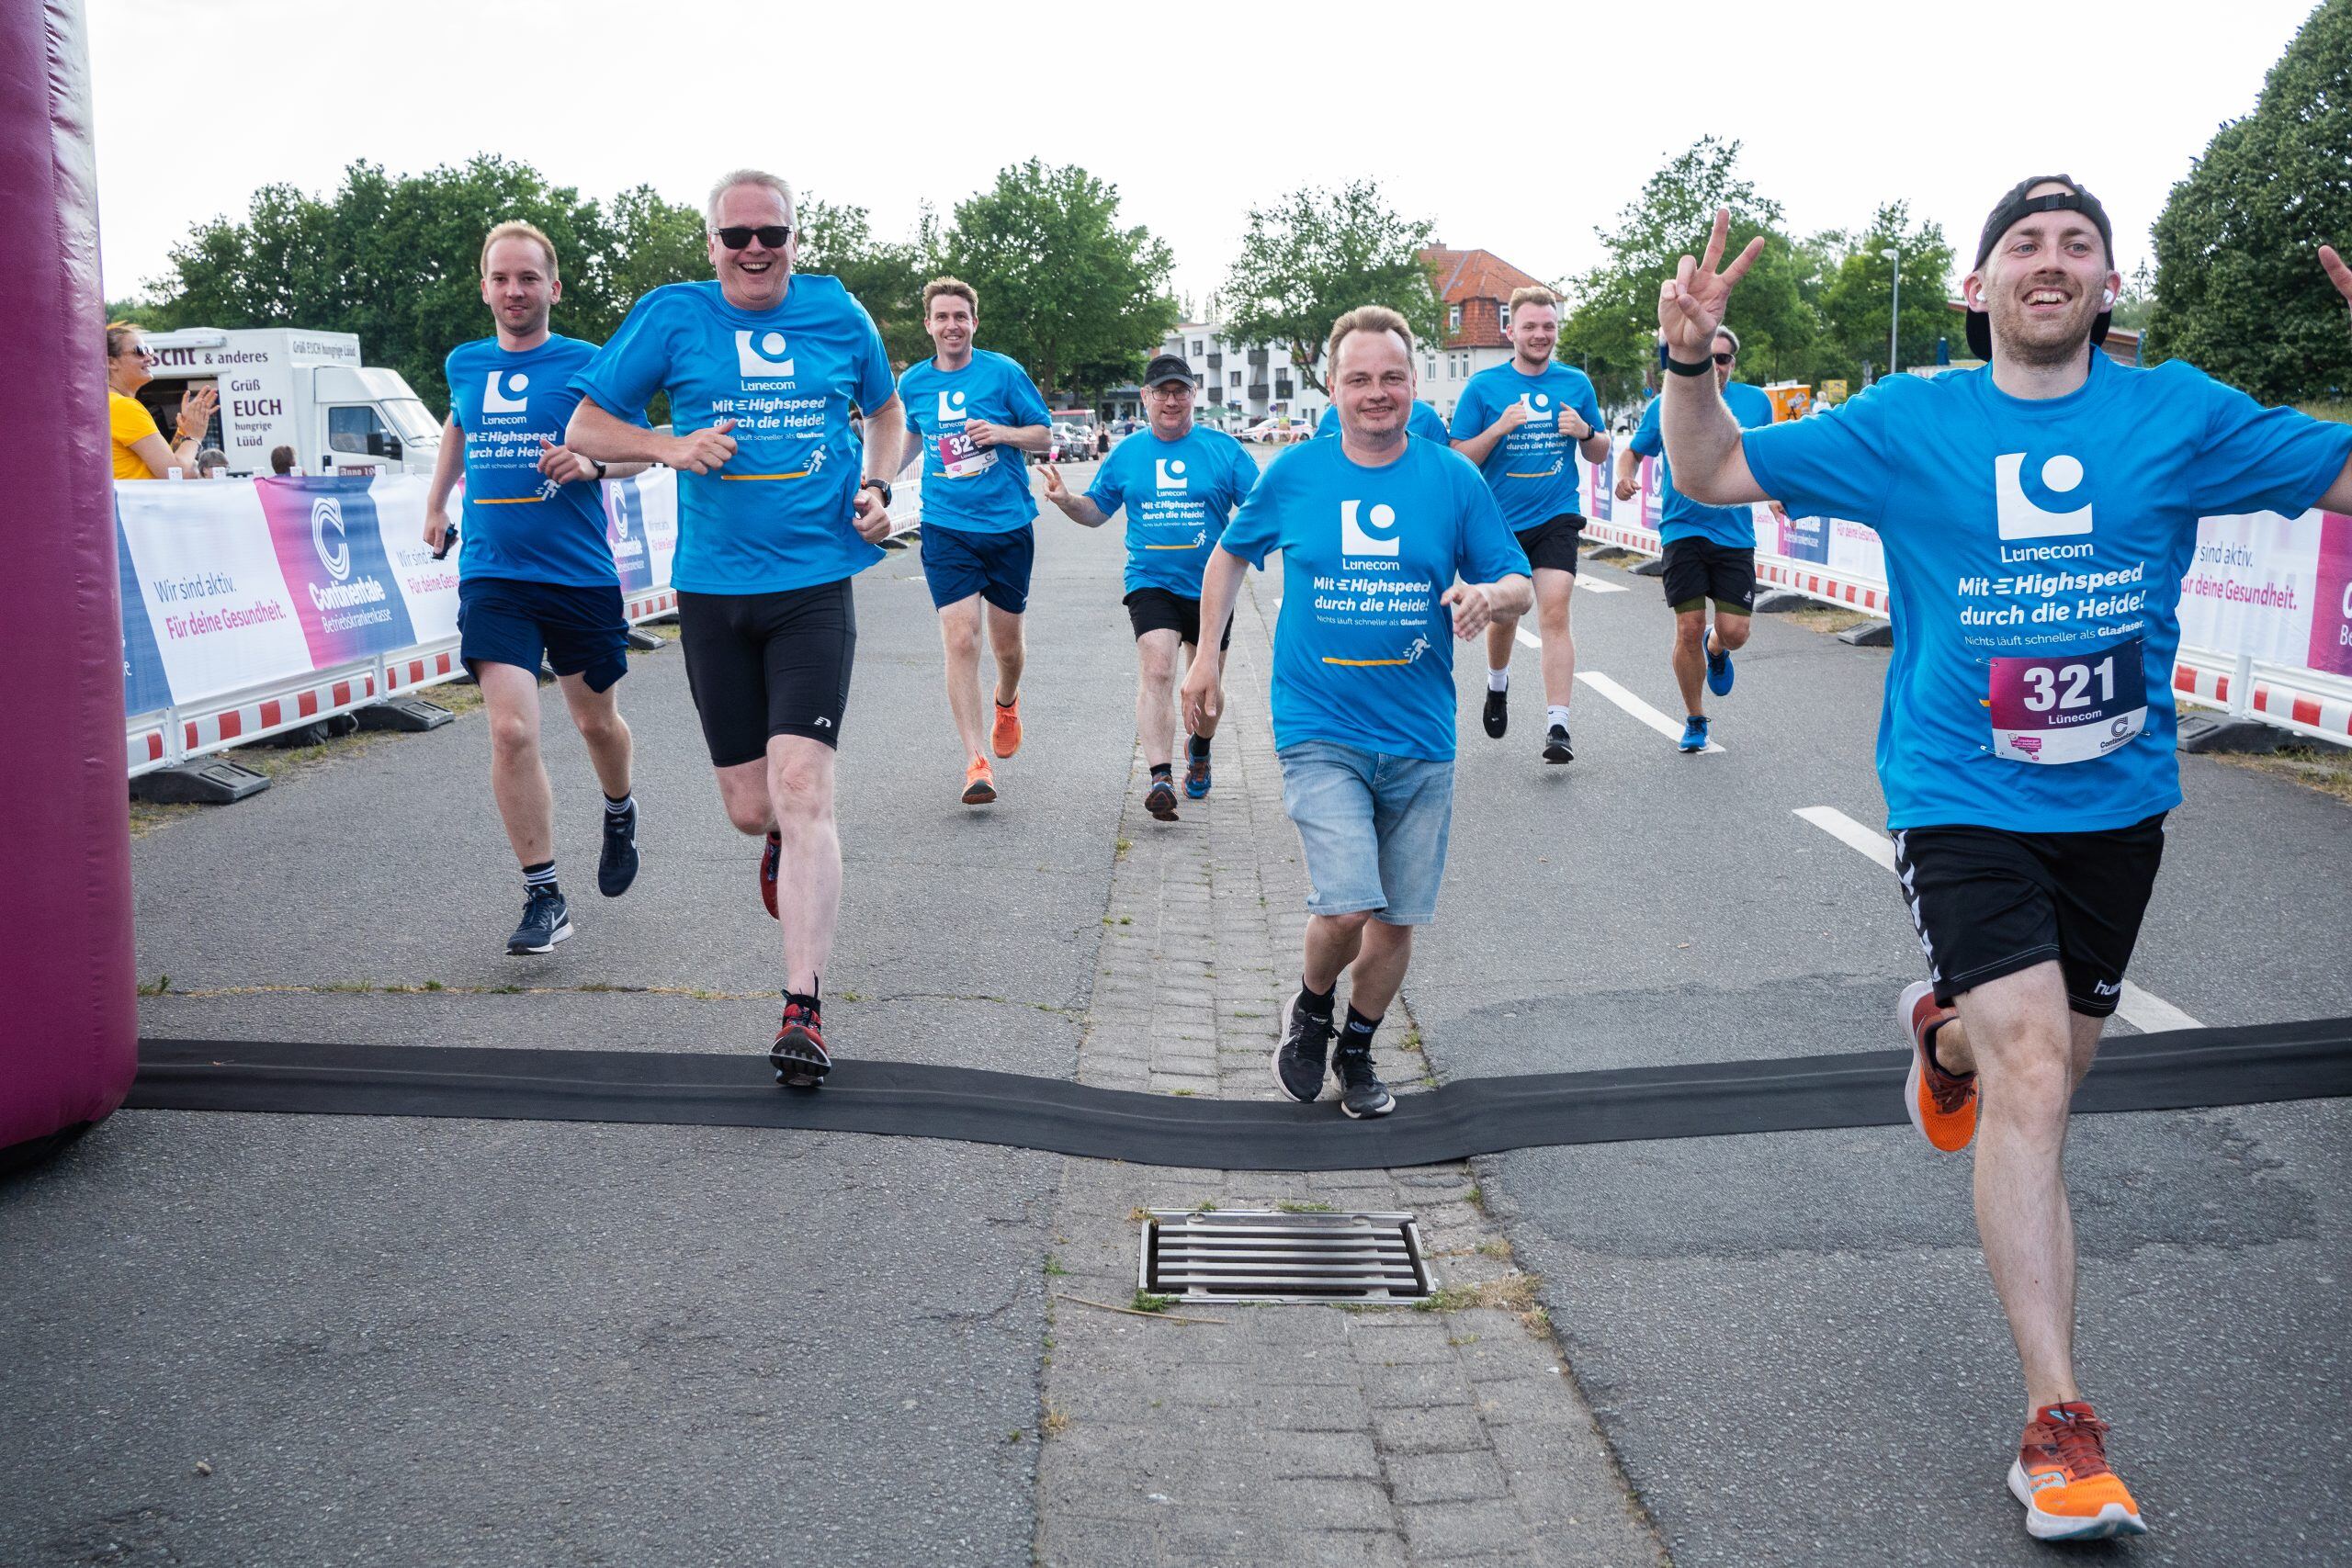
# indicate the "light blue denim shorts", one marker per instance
pixel 1373 827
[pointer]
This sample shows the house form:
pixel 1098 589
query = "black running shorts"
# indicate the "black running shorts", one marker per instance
pixel 1158 610
pixel 768 664
pixel 1988 902
pixel 1553 542
pixel 1700 570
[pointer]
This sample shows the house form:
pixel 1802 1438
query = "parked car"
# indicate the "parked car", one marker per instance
pixel 1070 445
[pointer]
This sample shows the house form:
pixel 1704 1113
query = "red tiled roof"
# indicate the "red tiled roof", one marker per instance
pixel 1465 277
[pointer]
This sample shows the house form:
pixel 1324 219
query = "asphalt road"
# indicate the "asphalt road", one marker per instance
pixel 471 1342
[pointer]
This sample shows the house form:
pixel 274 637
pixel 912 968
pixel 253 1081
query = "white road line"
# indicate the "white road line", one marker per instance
pixel 1531 639
pixel 1635 705
pixel 1592 584
pixel 2145 1011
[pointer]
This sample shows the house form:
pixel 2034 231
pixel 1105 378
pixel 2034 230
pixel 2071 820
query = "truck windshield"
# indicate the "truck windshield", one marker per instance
pixel 412 421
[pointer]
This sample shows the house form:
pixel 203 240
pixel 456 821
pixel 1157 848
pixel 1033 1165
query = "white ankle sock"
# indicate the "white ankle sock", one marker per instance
pixel 1555 715
pixel 1499 680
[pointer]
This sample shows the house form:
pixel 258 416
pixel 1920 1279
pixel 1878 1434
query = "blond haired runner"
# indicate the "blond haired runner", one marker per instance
pixel 1392 548
pixel 1525 423
pixel 534 574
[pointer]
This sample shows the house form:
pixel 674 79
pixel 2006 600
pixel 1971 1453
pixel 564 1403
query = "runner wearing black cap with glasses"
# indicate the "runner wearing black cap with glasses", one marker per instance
pixel 1178 484
pixel 2037 515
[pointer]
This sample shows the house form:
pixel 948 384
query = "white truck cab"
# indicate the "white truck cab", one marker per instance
pixel 287 387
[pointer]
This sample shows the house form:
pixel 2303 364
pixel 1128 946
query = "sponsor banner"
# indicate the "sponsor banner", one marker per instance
pixel 235 585
pixel 2256 585
pixel 330 544
pixel 2331 642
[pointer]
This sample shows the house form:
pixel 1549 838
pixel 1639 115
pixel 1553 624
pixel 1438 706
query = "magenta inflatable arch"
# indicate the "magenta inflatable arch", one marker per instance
pixel 69 1034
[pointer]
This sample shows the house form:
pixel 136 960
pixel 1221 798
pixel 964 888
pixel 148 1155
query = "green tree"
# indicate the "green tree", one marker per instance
pixel 396 259
pixel 1317 254
pixel 887 278
pixel 1612 329
pixel 2238 290
pixel 1858 295
pixel 1062 283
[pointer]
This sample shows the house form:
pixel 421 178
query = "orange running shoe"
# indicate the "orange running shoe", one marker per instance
pixel 1005 738
pixel 2061 1477
pixel 1942 1105
pixel 979 783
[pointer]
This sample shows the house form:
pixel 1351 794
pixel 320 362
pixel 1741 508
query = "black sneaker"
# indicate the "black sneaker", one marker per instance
pixel 546 920
pixel 1306 1041
pixel 1360 1091
pixel 1497 714
pixel 799 1055
pixel 616 865
pixel 1160 798
pixel 1555 745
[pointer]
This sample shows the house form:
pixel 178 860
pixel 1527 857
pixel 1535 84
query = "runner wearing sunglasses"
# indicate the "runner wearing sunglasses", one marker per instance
pixel 774 518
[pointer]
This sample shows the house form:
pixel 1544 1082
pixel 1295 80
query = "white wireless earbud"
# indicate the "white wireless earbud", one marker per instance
pixel 2106 296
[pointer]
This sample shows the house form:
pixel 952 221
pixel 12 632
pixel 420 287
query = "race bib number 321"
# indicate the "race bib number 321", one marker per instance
pixel 2071 707
pixel 959 458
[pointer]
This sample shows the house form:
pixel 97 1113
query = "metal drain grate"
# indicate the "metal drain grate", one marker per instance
pixel 1265 1256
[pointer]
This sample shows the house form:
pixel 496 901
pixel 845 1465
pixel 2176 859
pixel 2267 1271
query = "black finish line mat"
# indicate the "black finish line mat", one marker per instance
pixel 2183 1069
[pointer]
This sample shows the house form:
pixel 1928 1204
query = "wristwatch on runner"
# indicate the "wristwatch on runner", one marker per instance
pixel 882 485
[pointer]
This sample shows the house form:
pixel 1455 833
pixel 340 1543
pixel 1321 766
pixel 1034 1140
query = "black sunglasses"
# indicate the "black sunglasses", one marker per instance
pixel 1725 359
pixel 735 236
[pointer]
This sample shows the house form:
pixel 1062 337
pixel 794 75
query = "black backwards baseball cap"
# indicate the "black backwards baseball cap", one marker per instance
pixel 2014 203
pixel 1166 367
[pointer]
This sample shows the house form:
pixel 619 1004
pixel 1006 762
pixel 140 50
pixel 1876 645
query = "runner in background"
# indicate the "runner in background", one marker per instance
pixel 1525 423
pixel 1391 548
pixel 1710 551
pixel 977 415
pixel 761 369
pixel 2037 516
pixel 1178 484
pixel 535 571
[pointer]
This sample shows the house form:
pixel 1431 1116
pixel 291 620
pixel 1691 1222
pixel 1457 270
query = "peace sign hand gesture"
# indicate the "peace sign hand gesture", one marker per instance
pixel 1691 304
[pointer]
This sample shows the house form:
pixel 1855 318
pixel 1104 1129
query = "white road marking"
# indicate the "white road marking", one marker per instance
pixel 1592 584
pixel 1635 705
pixel 2144 1010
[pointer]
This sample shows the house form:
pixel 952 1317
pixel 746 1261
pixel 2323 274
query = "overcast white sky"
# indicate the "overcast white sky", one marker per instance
pixel 1515 129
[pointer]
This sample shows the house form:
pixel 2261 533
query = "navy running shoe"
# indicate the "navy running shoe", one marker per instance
pixel 1497 716
pixel 617 864
pixel 1196 778
pixel 546 920
pixel 1555 745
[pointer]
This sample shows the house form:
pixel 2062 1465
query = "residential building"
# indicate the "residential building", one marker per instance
pixel 1475 287
pixel 1242 383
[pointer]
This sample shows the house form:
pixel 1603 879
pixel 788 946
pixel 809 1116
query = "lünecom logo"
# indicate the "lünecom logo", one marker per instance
pixel 1168 473
pixel 1374 537
pixel 494 398
pixel 950 407
pixel 327 512
pixel 761 355
pixel 1539 404
pixel 2020 516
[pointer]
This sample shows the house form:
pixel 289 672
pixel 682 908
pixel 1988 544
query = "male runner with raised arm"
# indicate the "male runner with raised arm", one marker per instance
pixel 2037 515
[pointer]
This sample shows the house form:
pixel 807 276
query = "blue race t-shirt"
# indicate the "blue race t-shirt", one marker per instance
pixel 518 523
pixel 1424 422
pixel 979 490
pixel 778 517
pixel 1178 495
pixel 1679 517
pixel 2035 549
pixel 1364 652
pixel 1532 469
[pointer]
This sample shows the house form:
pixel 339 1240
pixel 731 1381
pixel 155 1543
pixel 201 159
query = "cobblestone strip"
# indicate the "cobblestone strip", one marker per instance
pixel 1285 1435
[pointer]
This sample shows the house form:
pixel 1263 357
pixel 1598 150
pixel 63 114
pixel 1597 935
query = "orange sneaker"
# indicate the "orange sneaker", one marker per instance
pixel 2061 1477
pixel 979 783
pixel 1005 738
pixel 1942 1105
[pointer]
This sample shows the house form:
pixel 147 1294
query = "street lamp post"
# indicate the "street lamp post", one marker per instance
pixel 1895 320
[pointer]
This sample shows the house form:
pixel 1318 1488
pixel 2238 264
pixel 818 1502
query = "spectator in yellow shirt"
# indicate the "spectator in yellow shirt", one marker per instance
pixel 139 449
